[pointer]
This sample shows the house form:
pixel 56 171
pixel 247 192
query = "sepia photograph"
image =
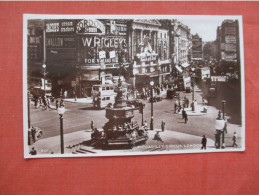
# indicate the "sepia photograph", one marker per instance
pixel 113 85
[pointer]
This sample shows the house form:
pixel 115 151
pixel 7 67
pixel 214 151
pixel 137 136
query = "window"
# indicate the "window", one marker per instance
pixel 103 88
pixel 96 88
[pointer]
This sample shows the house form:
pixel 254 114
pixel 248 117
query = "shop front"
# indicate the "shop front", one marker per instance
pixel 103 47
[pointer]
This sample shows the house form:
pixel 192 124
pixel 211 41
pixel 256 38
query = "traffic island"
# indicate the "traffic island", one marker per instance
pixel 199 111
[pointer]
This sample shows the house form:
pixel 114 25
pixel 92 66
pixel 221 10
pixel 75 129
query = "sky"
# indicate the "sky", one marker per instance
pixel 204 26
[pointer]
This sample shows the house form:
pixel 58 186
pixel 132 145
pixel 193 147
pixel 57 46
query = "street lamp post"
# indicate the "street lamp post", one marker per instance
pixel 29 118
pixel 152 120
pixel 61 112
pixel 142 105
pixel 192 82
pixel 223 118
pixel 223 107
pixel 44 74
pixel 192 88
pixel 29 114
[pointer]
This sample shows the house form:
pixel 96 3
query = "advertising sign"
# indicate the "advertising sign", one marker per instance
pixel 230 57
pixel 231 47
pixel 35 48
pixel 116 27
pixel 60 27
pixel 100 49
pixel 102 42
pixel 230 31
pixel 230 39
pixel 90 26
pixel 61 41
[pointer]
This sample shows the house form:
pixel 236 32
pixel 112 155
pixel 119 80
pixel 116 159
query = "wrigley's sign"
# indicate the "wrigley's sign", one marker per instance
pixel 90 26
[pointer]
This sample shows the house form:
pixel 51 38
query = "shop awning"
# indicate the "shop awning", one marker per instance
pixel 185 64
pixel 164 73
pixel 179 69
pixel 151 74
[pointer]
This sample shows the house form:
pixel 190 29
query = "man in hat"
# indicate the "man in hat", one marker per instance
pixel 157 137
pixel 204 142
pixel 235 139
pixel 33 152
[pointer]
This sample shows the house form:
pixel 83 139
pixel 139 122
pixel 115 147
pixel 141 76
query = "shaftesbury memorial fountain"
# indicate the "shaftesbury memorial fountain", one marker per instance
pixel 120 130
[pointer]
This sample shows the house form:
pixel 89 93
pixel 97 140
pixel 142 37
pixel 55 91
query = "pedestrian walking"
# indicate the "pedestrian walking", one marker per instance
pixel 35 101
pixel 47 103
pixel 185 117
pixel 175 107
pixel 192 105
pixel 33 134
pixel 183 113
pixel 158 137
pixel 145 125
pixel 61 104
pixel 40 101
pixel 44 101
pixel 33 152
pixel 92 124
pixel 57 103
pixel 163 125
pixel 226 124
pixel 179 106
pixel 65 94
pixel 204 142
pixel 187 102
pixel 235 139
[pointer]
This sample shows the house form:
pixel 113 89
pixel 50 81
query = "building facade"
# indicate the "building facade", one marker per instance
pixel 180 46
pixel 149 51
pixel 197 49
pixel 79 52
pixel 228 45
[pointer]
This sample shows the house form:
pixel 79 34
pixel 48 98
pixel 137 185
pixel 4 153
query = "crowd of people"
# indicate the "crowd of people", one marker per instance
pixel 145 92
pixel 45 102
pixel 129 130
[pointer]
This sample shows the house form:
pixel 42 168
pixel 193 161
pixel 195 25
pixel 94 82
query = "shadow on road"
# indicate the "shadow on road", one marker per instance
pixel 89 108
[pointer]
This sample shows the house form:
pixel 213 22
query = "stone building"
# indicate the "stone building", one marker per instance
pixel 228 45
pixel 79 53
pixel 180 46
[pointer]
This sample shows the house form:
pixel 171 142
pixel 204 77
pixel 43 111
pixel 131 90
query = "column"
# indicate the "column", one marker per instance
pixel 141 34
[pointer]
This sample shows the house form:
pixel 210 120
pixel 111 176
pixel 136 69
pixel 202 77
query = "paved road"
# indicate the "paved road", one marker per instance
pixel 232 97
pixel 78 117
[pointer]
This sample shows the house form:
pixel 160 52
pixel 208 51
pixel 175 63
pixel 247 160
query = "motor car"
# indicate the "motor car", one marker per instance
pixel 134 102
pixel 156 98
pixel 170 93
pixel 38 132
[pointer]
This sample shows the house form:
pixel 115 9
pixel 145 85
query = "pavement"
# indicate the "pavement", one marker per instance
pixel 79 100
pixel 73 143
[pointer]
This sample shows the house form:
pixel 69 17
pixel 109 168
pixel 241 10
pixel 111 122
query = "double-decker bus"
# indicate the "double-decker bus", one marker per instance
pixel 105 94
